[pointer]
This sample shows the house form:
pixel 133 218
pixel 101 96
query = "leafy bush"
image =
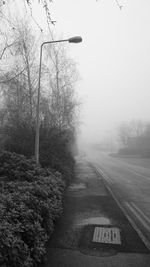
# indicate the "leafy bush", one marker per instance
pixel 55 148
pixel 17 167
pixel 29 207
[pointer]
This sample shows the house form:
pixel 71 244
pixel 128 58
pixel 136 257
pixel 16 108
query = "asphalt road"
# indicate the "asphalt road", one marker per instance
pixel 129 181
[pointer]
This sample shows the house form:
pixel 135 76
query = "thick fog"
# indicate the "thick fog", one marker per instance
pixel 113 60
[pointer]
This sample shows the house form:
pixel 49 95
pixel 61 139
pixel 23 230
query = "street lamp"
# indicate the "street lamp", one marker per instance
pixel 76 39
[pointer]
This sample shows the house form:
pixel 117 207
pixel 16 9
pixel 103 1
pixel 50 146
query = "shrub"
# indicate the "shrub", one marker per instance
pixel 55 148
pixel 55 151
pixel 29 205
pixel 17 167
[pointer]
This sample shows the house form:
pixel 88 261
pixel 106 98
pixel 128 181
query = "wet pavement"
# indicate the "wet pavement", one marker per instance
pixel 92 230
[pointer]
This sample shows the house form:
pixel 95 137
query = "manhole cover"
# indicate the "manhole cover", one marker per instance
pixel 107 235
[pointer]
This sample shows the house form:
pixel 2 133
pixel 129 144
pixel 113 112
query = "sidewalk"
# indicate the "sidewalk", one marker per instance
pixel 88 206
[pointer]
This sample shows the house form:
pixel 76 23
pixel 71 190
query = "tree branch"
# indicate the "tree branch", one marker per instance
pixel 5 48
pixel 118 4
pixel 18 74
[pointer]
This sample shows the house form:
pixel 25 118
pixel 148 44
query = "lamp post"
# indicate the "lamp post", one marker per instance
pixel 76 39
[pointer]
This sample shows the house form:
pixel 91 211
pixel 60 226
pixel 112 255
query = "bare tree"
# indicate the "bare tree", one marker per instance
pixel 25 49
pixel 19 84
pixel 134 128
pixel 124 133
pixel 63 76
pixel 8 27
pixel 138 127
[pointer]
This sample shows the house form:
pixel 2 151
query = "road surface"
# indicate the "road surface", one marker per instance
pixel 128 179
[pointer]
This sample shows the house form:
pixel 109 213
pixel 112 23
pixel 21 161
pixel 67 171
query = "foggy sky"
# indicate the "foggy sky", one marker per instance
pixel 113 60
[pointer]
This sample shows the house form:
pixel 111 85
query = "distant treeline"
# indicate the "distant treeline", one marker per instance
pixel 135 138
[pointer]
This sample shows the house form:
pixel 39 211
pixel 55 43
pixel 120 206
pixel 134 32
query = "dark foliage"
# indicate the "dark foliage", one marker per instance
pixel 55 151
pixel 17 167
pixel 20 139
pixel 29 204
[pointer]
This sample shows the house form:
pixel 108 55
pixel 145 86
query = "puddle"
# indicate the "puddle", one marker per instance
pixel 95 220
pixel 77 186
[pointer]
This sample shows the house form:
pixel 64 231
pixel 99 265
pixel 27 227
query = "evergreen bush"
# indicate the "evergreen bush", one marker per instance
pixel 30 203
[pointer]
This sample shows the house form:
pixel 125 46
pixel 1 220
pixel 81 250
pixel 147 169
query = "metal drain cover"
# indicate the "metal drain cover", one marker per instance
pixel 107 235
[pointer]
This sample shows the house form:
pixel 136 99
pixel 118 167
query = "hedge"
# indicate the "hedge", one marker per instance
pixel 31 201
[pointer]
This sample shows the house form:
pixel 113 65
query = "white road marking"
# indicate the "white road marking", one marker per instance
pixel 108 179
pixel 147 219
pixel 134 211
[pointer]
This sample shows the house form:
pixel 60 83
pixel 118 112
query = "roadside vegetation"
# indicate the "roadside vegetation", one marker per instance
pixel 31 201
pixel 31 196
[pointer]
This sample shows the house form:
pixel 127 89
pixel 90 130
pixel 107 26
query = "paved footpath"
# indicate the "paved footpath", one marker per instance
pixel 92 230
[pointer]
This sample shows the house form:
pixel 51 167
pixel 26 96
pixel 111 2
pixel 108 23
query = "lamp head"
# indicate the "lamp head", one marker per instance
pixel 76 39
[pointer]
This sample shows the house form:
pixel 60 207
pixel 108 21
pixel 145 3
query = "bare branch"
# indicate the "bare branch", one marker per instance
pixel 29 4
pixel 118 4
pixel 5 48
pixel 8 20
pixel 12 78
